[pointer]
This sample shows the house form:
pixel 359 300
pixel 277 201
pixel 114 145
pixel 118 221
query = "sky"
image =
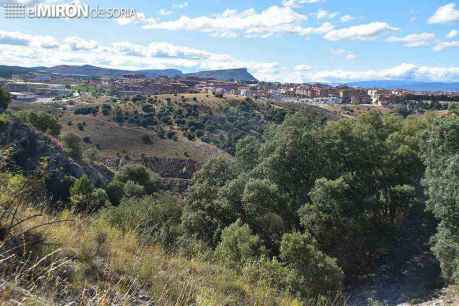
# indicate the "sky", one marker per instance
pixel 282 40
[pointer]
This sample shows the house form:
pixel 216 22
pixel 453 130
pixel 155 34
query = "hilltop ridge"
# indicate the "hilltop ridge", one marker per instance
pixel 240 74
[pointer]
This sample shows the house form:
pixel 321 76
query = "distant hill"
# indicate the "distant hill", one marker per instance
pixel 153 73
pixel 8 71
pixel 93 71
pixel 240 74
pixel 408 85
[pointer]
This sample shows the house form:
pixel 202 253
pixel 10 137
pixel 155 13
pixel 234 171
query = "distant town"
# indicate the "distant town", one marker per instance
pixel 39 86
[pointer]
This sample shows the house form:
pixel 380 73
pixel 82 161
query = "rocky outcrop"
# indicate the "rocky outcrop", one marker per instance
pixel 171 167
pixel 175 184
pixel 30 152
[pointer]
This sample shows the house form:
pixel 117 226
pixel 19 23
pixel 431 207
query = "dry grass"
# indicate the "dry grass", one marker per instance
pixel 90 262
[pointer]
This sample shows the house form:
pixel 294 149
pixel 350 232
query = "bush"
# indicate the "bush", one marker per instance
pixel 140 175
pixel 91 155
pixel 86 110
pixel 80 193
pixel 4 119
pixel 84 198
pixel 106 109
pixel 146 139
pixel 172 135
pixel 72 146
pixel 238 245
pixel 272 273
pixel 43 122
pixel 115 191
pixel 133 190
pixel 315 273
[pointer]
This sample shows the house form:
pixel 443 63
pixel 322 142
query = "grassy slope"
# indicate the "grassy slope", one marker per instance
pixel 114 139
pixel 85 260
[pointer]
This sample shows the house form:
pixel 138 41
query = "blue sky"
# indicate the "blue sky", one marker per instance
pixel 284 40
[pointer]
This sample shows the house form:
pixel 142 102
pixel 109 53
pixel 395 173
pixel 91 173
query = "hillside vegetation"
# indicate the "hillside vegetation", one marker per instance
pixel 292 209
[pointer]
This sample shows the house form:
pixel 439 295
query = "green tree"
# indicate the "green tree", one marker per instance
pixel 5 99
pixel 263 210
pixel 205 213
pixel 247 153
pixel 441 147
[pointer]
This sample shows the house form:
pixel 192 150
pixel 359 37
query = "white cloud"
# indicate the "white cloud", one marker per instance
pixel 79 44
pixel 27 50
pixel 20 39
pixel 14 38
pixel 298 3
pixel 401 72
pixel 452 34
pixel 346 54
pixel 324 14
pixel 446 45
pixel 360 32
pixel 182 5
pixel 302 68
pixel 161 50
pixel 445 14
pixel 414 40
pixel 164 12
pixel 322 29
pixel 346 18
pixel 274 19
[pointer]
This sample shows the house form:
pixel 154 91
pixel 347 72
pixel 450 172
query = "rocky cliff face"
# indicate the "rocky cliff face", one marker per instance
pixel 28 151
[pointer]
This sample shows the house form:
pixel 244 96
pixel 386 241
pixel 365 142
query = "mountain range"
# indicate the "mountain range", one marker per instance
pixel 240 74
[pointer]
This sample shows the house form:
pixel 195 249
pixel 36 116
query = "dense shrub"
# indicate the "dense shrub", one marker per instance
pixel 4 119
pixel 42 121
pixel 84 198
pixel 106 109
pixel 72 146
pixel 139 175
pixel 315 273
pixel 238 245
pixel 133 190
pixel 86 110
pixel 115 191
